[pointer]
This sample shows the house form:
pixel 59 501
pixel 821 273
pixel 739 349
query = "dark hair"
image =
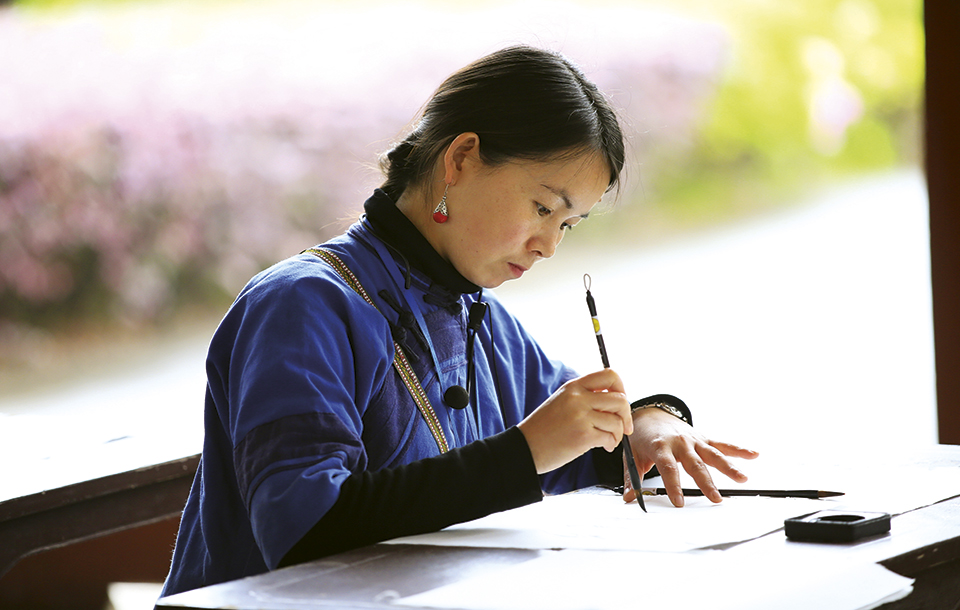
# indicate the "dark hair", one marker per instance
pixel 524 103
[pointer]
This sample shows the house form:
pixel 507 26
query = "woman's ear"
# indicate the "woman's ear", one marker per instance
pixel 463 153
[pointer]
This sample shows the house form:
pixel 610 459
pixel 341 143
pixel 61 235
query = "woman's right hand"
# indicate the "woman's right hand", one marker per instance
pixel 587 412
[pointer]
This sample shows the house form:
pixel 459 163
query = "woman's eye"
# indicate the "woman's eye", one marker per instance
pixel 543 210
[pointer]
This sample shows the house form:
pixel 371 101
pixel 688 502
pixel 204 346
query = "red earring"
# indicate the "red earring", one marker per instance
pixel 440 214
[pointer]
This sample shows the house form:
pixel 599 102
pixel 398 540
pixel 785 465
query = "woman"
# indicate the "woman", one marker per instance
pixel 351 396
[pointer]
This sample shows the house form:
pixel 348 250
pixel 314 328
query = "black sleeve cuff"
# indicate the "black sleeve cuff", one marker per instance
pixel 520 481
pixel 671 400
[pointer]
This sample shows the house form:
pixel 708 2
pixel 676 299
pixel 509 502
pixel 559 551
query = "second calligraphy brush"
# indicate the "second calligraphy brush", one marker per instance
pixel 768 493
pixel 627 451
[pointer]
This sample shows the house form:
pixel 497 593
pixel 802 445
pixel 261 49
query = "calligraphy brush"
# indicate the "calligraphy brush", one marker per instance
pixel 627 450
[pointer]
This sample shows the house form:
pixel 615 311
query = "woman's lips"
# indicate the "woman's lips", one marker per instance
pixel 517 270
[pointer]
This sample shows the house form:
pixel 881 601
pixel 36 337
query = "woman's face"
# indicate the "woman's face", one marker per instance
pixel 504 219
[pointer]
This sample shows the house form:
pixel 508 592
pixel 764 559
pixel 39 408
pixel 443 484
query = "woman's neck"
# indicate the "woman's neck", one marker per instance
pixel 414 203
pixel 401 232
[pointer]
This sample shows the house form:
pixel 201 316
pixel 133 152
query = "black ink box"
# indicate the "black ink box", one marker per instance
pixel 836 526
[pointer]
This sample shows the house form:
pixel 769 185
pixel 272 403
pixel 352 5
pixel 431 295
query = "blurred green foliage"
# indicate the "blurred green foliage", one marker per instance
pixel 813 91
pixel 781 50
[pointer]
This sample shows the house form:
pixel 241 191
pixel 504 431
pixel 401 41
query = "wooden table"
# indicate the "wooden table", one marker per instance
pixel 104 461
pixel 90 508
pixel 924 545
pixel 69 479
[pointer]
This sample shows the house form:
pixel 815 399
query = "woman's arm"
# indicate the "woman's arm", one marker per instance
pixel 483 477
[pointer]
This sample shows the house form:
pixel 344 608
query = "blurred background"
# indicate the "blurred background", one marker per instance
pixel 767 261
pixel 155 155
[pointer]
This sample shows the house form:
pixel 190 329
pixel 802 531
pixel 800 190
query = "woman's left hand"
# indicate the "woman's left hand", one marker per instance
pixel 668 442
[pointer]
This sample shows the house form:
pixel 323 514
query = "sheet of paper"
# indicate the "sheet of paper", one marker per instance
pixel 573 580
pixel 604 521
pixel 872 482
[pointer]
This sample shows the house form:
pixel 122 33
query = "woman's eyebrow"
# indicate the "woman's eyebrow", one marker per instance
pixel 562 194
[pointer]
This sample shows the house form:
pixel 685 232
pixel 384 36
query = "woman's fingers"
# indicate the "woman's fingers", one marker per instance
pixel 698 470
pixel 604 380
pixel 695 456
pixel 616 404
pixel 712 455
pixel 607 394
pixel 733 450
pixel 671 444
pixel 609 427
pixel 669 470
pixel 587 412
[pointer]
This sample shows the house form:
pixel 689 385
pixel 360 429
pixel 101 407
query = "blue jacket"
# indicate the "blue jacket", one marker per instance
pixel 302 394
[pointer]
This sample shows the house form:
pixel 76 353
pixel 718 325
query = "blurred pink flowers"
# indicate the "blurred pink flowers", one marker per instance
pixel 150 156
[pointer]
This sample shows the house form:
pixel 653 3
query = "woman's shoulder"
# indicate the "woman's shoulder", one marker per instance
pixel 302 296
pixel 309 273
pixel 306 282
pixel 302 274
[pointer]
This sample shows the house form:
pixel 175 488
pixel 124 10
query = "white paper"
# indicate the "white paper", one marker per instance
pixel 579 580
pixel 873 482
pixel 604 521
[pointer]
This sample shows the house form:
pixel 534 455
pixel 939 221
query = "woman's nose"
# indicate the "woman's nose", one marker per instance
pixel 544 244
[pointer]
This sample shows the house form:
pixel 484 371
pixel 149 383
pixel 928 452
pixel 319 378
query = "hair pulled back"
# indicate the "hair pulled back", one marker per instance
pixel 523 103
